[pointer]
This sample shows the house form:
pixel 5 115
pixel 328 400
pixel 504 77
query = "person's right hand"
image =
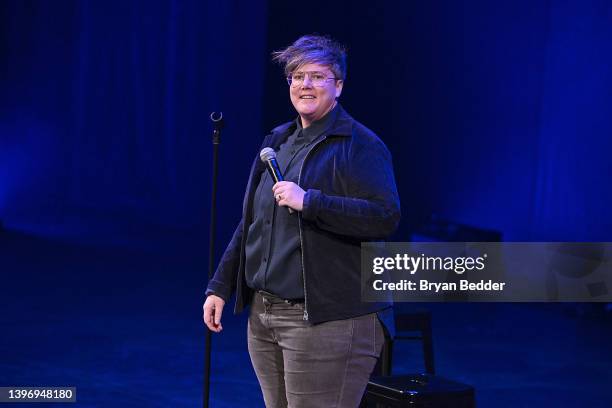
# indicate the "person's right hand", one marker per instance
pixel 213 308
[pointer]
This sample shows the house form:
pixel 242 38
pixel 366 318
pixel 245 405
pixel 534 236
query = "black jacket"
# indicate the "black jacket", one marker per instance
pixel 351 197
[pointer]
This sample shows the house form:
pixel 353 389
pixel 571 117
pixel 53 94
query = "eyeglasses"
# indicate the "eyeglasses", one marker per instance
pixel 317 78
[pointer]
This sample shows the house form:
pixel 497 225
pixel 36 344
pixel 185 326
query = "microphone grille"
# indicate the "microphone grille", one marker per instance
pixel 267 153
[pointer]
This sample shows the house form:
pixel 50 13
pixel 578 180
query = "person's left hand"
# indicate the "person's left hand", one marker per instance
pixel 289 194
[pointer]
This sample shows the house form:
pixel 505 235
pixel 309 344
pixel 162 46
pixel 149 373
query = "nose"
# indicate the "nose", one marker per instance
pixel 307 78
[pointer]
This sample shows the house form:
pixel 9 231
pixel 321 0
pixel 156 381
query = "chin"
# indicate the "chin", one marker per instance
pixel 308 113
pixel 308 107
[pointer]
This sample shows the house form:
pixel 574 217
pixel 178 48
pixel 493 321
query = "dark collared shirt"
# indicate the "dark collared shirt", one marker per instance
pixel 273 250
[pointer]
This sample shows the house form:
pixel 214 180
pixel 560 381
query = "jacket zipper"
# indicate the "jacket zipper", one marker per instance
pixel 300 227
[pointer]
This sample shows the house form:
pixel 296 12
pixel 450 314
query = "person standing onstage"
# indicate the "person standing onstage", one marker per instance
pixel 311 339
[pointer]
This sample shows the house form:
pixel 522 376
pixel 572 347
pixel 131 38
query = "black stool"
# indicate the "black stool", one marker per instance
pixel 414 390
pixel 419 391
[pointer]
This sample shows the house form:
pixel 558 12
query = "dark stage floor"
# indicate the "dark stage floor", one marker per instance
pixel 124 327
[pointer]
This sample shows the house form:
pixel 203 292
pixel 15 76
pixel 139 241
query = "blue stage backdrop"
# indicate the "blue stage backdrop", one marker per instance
pixel 105 110
pixel 496 113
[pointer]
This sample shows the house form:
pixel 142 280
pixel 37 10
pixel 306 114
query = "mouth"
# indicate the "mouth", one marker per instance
pixel 307 97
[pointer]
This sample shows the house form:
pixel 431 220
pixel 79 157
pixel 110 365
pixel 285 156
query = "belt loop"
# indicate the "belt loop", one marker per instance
pixel 267 304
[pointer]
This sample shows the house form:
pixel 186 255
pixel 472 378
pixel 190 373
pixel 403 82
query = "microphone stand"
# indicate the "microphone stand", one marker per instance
pixel 216 140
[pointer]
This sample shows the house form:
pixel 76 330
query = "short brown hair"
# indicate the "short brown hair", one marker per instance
pixel 316 49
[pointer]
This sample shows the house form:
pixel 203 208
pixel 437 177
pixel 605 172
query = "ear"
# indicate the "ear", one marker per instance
pixel 339 85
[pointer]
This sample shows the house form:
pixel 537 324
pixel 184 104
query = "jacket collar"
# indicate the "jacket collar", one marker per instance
pixel 341 127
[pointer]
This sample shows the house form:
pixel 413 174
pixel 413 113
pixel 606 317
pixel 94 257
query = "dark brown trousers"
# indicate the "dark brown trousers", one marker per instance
pixel 300 365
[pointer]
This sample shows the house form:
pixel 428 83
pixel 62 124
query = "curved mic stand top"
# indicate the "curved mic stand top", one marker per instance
pixel 217 121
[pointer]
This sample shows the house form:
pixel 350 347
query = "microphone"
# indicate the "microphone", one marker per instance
pixel 268 156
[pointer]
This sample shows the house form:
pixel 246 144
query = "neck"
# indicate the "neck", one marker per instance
pixel 306 122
